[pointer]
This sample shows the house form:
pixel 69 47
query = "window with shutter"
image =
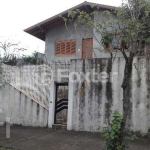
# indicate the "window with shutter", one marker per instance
pixel 66 47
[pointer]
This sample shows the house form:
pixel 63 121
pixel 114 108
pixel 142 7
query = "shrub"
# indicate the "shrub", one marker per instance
pixel 30 59
pixel 33 59
pixel 111 135
pixel 10 59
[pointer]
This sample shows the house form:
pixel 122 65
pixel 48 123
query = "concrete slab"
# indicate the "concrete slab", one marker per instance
pixel 24 138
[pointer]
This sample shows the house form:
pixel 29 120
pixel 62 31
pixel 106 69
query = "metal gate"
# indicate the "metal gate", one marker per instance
pixel 61 103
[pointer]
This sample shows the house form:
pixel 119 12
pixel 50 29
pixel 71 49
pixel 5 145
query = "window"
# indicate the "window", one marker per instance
pixel 65 47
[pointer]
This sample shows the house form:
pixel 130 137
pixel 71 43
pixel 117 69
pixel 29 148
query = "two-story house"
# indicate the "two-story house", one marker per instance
pixel 63 44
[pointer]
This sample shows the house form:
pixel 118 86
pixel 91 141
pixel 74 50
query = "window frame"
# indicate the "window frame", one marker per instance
pixel 66 54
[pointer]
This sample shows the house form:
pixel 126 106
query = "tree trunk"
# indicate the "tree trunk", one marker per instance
pixel 126 85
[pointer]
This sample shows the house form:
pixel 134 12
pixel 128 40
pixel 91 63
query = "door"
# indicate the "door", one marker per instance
pixel 87 48
pixel 61 103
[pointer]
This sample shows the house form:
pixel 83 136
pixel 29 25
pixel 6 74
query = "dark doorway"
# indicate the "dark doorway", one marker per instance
pixel 87 48
pixel 61 104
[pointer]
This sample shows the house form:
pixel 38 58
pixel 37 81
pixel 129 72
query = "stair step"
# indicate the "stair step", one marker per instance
pixel 59 127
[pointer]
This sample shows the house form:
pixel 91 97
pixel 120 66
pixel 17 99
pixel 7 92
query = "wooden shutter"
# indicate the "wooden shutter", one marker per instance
pixel 73 47
pixel 63 47
pixel 58 47
pixel 66 47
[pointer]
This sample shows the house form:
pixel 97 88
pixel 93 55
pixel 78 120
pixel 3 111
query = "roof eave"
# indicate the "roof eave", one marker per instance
pixel 39 30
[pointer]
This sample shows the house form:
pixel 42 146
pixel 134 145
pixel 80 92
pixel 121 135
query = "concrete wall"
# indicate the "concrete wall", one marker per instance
pixel 28 79
pixel 21 109
pixel 91 103
pixel 63 33
pixel 40 57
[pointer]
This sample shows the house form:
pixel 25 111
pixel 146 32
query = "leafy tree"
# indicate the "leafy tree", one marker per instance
pixel 125 30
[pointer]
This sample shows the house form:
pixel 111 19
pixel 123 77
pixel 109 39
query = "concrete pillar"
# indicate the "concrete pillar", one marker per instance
pixel 70 107
pixel 52 104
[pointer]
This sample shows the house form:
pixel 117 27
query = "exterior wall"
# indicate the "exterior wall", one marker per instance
pixel 65 66
pixel 63 33
pixel 26 78
pixel 21 109
pixel 40 56
pixel 91 104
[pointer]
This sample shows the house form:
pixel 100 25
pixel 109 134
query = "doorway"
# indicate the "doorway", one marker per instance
pixel 61 103
pixel 87 48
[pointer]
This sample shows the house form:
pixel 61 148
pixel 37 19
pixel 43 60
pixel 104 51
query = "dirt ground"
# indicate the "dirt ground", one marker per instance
pixel 24 138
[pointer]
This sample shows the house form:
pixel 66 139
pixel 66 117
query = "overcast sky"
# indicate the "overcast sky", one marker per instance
pixel 17 15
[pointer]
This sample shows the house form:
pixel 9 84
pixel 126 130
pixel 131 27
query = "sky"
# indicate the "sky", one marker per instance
pixel 17 15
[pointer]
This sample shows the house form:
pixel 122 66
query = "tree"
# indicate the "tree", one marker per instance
pixel 125 30
pixel 10 51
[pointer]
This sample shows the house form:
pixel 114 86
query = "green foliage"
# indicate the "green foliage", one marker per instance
pixel 124 42
pixel 81 18
pixel 135 17
pixel 128 25
pixel 32 59
pixel 107 38
pixel 10 59
pixel 112 135
pixel 72 14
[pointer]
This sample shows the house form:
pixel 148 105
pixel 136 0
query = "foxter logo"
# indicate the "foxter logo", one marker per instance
pixel 42 75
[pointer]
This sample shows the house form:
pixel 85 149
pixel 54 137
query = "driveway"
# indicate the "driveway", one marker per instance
pixel 24 138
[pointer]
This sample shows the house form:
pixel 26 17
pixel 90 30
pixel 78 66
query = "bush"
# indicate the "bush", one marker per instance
pixel 30 59
pixel 10 59
pixel 111 136
pixel 33 59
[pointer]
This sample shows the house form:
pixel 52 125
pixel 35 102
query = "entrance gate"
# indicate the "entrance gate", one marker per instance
pixel 61 103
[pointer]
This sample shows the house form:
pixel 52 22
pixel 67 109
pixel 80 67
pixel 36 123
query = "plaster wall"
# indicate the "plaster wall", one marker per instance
pixel 94 102
pixel 21 109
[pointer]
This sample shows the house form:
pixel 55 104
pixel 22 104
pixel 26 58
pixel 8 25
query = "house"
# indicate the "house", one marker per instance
pixel 85 106
pixel 64 44
pixel 54 32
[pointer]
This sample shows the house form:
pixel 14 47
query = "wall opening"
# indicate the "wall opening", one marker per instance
pixel 61 103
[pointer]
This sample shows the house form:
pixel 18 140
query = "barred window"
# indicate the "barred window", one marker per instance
pixel 65 47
